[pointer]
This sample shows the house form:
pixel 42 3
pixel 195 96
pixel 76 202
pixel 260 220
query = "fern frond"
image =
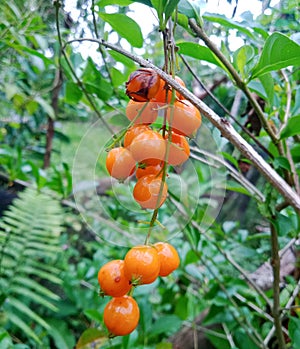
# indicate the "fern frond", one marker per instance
pixel 29 240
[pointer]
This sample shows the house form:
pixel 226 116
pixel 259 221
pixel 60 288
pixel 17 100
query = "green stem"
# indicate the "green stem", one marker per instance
pixel 275 262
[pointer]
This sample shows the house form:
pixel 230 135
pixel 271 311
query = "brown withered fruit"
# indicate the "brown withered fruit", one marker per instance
pixel 142 85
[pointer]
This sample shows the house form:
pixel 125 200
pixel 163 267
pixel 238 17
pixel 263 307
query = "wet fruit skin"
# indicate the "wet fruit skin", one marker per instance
pixel 141 113
pixel 184 118
pixel 142 85
pixel 147 189
pixel 132 132
pixel 142 264
pixel 148 147
pixel 169 259
pixel 120 163
pixel 121 315
pixel 112 279
pixel 179 150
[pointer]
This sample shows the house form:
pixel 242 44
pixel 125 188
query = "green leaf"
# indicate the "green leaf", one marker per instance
pixel 23 308
pixel 93 314
pixel 292 128
pixel 103 3
pixel 16 320
pixel 122 59
pixel 229 24
pixel 46 106
pixel 32 296
pixel 73 92
pixel 199 52
pixel 191 9
pixel 268 84
pixel 278 52
pixel 296 108
pixel 166 324
pixel 294 331
pixel 61 334
pixel 145 2
pixel 117 77
pixel 125 26
pixel 281 162
pixel 21 49
pixel 91 338
pixel 240 59
pixel 170 7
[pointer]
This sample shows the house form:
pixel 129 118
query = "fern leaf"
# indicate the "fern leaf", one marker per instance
pixel 16 320
pixel 23 308
pixel 29 238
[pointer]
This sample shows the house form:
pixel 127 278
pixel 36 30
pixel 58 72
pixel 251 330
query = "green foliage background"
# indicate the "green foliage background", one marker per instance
pixel 58 232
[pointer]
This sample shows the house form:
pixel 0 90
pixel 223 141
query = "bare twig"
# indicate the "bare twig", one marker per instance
pixel 232 171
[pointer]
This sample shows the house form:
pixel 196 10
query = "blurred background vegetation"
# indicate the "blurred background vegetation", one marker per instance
pixel 62 217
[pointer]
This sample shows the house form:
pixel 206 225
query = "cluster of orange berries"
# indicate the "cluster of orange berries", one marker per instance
pixel 152 150
pixel 141 265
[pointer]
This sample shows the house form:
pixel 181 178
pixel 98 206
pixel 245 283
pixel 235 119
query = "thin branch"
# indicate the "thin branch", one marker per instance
pixel 221 124
pixel 79 82
pixel 275 262
pixel 239 82
pixel 232 172
pixel 227 255
pixel 230 114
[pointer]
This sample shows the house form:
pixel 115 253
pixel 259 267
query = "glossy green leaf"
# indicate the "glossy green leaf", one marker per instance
pixel 292 128
pixel 229 24
pixel 199 52
pixel 278 52
pixel 240 59
pixel 125 26
pixel 296 107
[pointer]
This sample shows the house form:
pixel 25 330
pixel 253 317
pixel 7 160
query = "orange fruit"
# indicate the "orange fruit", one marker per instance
pixel 121 315
pixel 132 132
pixel 148 147
pixel 141 264
pixel 184 118
pixel 179 150
pixel 141 113
pixel 147 170
pixel 119 163
pixel 164 93
pixel 147 190
pixel 112 280
pixel 168 256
